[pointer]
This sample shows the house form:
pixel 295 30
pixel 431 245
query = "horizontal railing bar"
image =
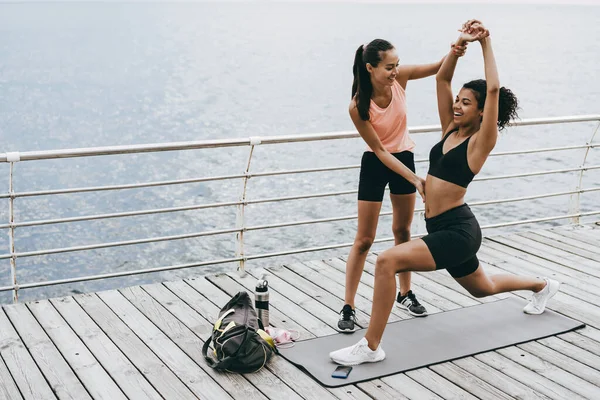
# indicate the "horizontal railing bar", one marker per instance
pixel 192 145
pixel 266 255
pixel 545 219
pixel 270 226
pixel 118 274
pixel 214 205
pixel 118 244
pixel 543 150
pixel 257 174
pixel 119 187
pixel 549 172
pixel 417 210
pixel 118 215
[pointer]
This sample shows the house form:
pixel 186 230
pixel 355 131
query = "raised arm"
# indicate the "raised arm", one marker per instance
pixel 366 131
pixel 443 80
pixel 410 72
pixel 488 132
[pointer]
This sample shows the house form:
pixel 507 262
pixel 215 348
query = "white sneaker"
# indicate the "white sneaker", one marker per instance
pixel 538 301
pixel 357 354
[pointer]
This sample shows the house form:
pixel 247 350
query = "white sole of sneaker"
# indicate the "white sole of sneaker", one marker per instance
pixel 350 364
pixel 402 306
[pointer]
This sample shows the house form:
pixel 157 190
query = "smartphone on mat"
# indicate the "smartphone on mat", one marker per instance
pixel 341 372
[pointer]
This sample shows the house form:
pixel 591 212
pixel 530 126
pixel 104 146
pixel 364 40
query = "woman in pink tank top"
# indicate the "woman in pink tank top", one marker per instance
pixel 378 110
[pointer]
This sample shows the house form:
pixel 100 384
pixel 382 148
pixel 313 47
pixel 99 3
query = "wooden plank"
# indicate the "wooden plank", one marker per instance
pixel 590 332
pixel 95 379
pixel 381 391
pixel 57 372
pixel 583 342
pixel 550 253
pixel 568 357
pixel 197 380
pixel 156 302
pixel 438 384
pixel 575 243
pixel 578 236
pixel 193 293
pixel 468 382
pixel 498 379
pixel 8 387
pixel 526 376
pixel 125 374
pixel 409 387
pixel 161 377
pixel 550 371
pixel 559 243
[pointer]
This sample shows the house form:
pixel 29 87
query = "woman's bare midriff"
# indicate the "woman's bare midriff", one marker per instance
pixel 442 196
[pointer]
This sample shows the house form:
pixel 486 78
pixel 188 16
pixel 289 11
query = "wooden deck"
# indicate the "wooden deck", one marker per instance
pixel 145 342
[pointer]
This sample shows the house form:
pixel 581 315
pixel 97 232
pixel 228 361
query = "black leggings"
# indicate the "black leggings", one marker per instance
pixel 453 240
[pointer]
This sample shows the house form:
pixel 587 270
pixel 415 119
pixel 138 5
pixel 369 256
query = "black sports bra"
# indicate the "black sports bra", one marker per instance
pixel 452 166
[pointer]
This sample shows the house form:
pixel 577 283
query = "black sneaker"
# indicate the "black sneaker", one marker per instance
pixel 347 322
pixel 410 303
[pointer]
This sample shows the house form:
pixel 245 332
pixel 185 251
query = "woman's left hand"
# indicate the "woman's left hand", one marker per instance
pixel 420 186
pixel 459 50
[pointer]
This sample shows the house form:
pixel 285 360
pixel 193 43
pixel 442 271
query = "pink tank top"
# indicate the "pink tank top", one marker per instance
pixel 390 122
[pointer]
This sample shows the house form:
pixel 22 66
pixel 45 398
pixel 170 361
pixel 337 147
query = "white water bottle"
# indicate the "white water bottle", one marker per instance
pixel 261 300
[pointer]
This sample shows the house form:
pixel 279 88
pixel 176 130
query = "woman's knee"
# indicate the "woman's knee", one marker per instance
pixel 401 233
pixel 387 264
pixel 363 244
pixel 483 291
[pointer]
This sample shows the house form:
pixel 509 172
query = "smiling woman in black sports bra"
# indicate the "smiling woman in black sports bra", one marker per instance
pixel 470 126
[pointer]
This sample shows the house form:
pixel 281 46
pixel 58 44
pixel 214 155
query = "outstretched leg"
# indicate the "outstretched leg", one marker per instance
pixel 479 284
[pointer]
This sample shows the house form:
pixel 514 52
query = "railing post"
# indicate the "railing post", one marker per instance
pixel 575 199
pixel 241 217
pixel 11 234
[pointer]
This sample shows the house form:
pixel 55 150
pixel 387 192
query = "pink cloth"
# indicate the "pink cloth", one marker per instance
pixel 390 122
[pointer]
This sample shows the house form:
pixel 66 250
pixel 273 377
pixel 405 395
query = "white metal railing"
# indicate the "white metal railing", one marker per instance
pixel 240 228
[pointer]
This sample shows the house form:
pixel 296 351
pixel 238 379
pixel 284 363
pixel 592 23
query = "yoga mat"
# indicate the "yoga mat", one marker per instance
pixel 437 338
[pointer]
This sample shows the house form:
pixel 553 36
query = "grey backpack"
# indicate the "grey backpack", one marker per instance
pixel 240 345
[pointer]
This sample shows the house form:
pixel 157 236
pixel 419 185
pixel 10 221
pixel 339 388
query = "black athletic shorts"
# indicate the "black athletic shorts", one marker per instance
pixel 374 176
pixel 453 240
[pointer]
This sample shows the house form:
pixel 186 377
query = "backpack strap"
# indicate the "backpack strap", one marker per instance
pixel 209 360
pixel 225 362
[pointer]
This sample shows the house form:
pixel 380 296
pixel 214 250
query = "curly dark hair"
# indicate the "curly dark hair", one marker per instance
pixel 507 103
pixel 362 88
